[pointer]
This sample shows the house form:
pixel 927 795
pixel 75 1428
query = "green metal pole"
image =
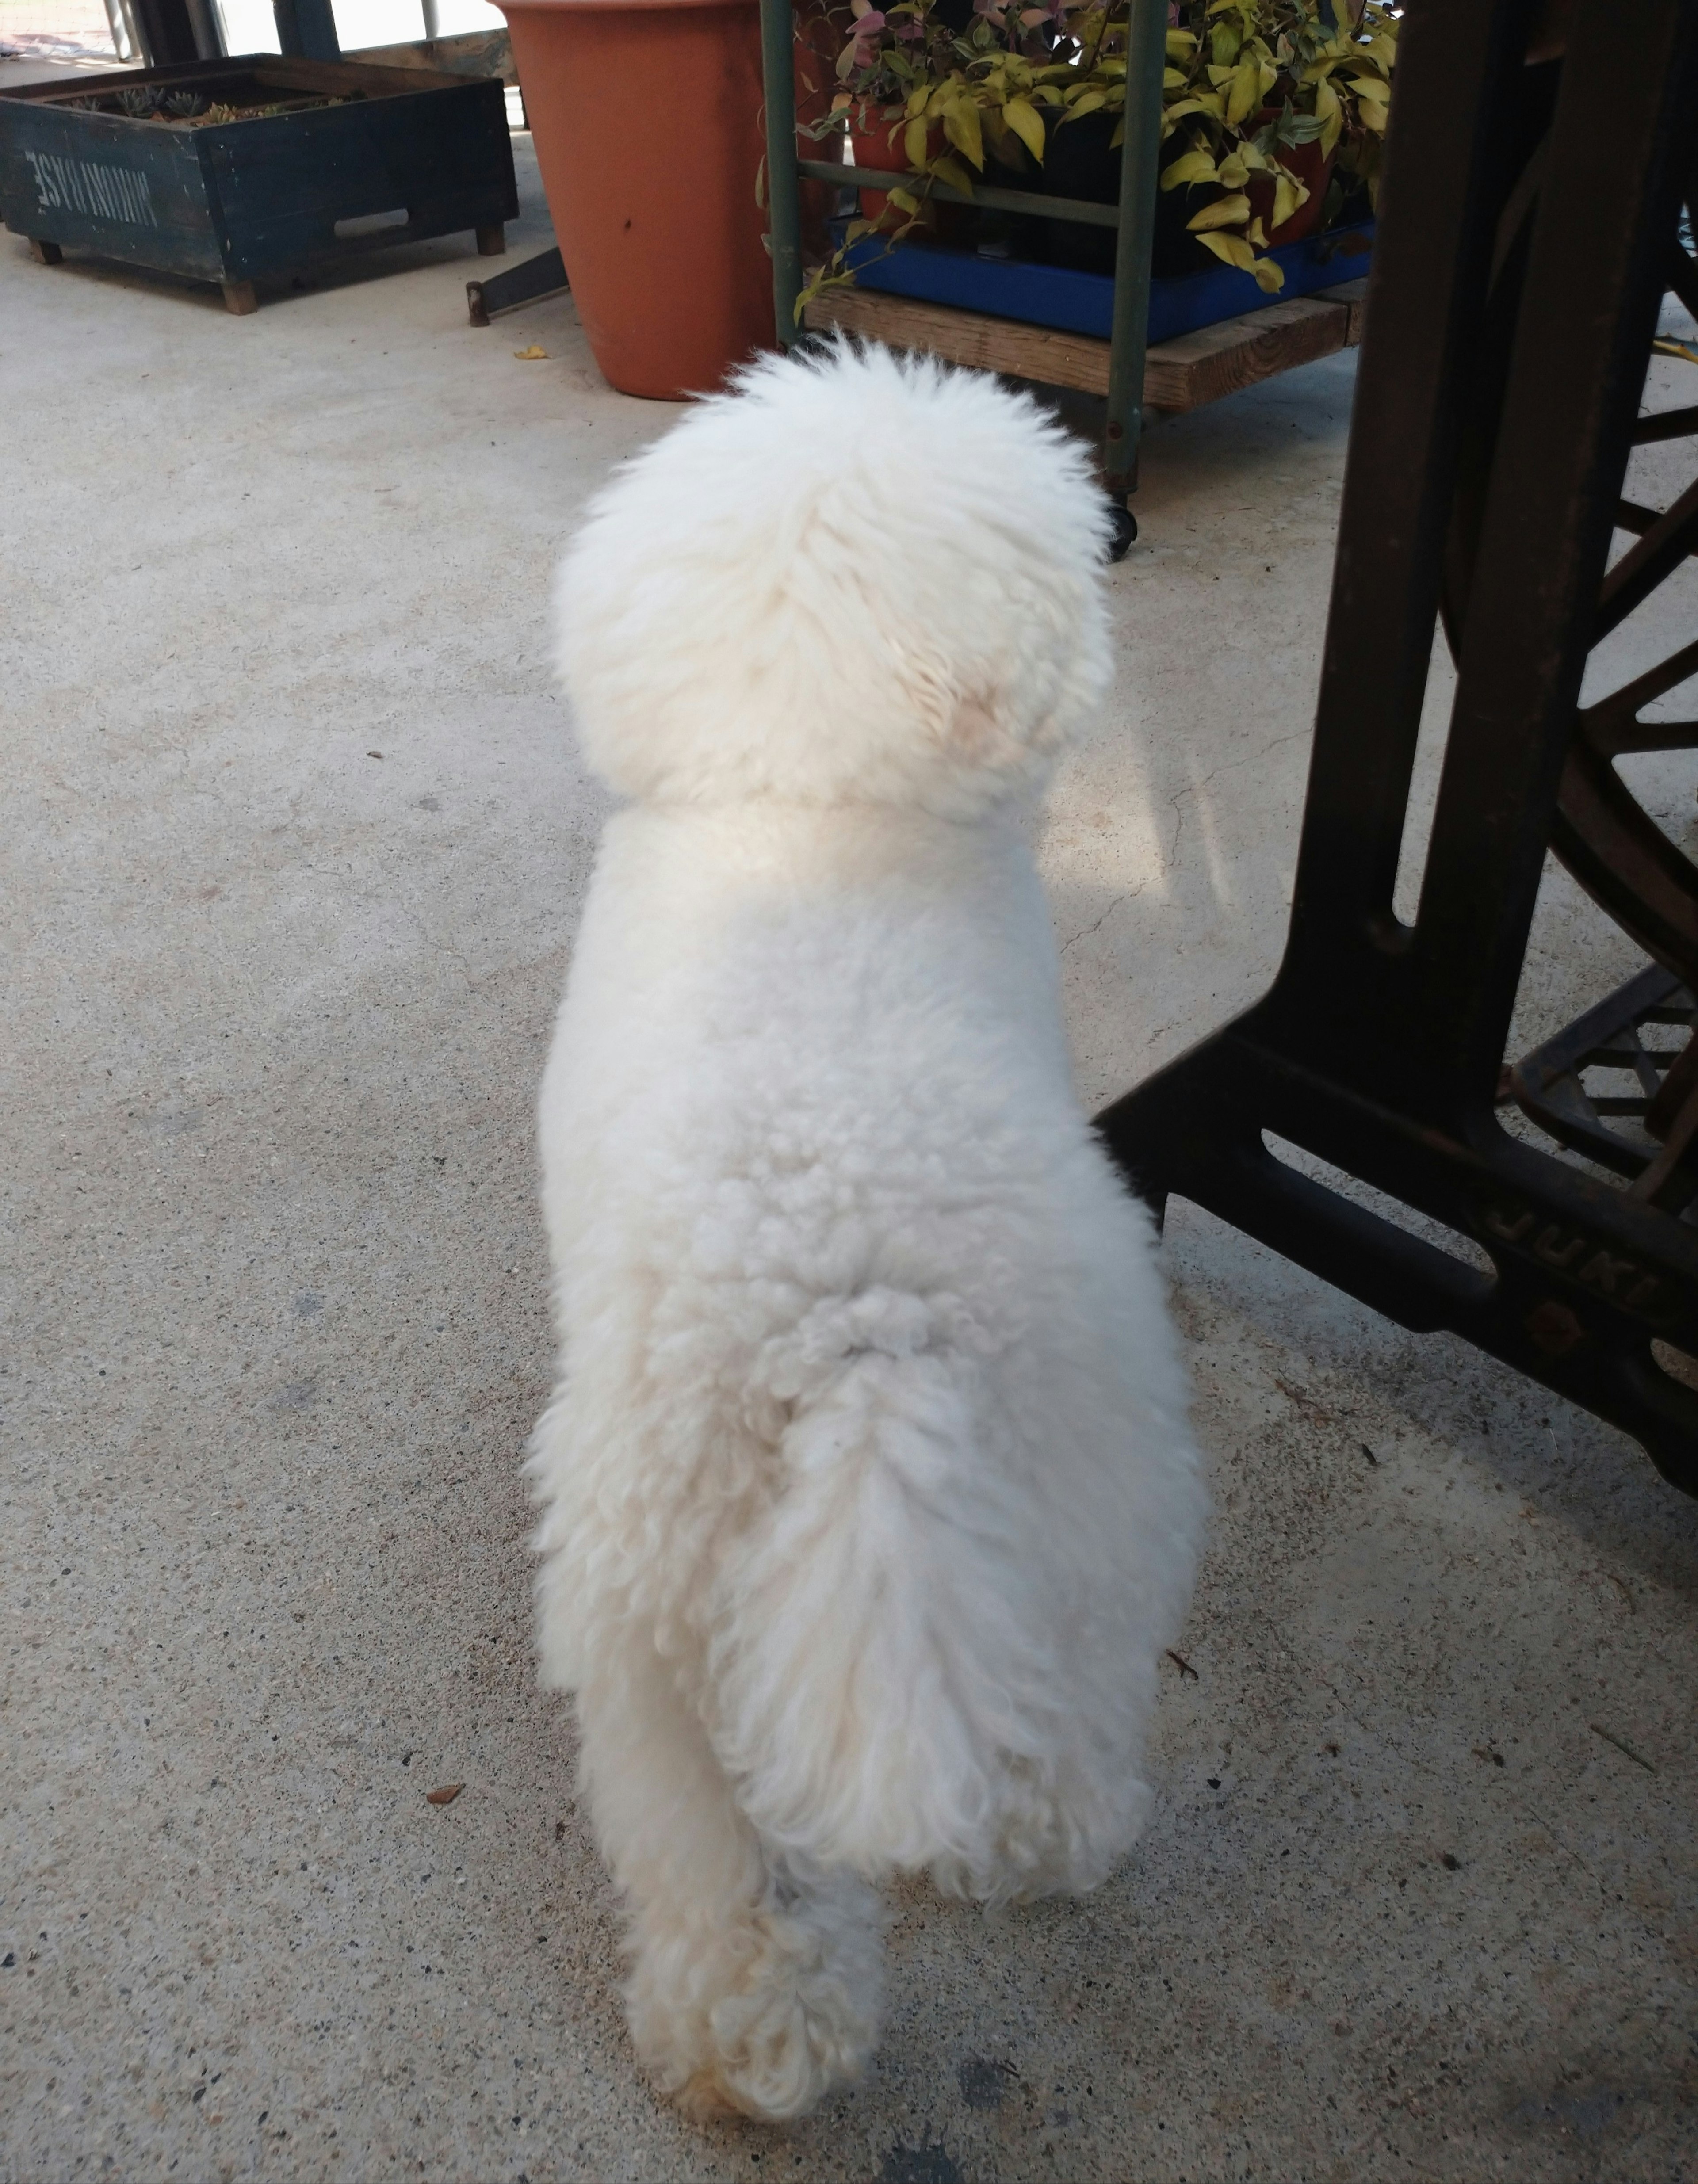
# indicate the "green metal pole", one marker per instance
pixel 1146 58
pixel 784 188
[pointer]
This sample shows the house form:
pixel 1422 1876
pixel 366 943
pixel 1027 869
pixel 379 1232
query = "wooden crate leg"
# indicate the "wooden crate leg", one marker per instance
pixel 492 242
pixel 45 254
pixel 239 297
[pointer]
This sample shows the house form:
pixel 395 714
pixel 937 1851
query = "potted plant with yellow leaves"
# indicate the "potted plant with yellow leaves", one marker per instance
pixel 931 89
pixel 1262 100
pixel 1274 112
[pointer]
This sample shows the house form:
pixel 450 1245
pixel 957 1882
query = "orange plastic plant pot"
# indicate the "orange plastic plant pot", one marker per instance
pixel 646 119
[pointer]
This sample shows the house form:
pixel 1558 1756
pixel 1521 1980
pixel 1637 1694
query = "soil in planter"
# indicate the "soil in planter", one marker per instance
pixel 196 110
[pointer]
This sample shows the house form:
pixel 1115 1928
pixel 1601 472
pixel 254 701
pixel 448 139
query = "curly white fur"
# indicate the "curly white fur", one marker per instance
pixel 871 1499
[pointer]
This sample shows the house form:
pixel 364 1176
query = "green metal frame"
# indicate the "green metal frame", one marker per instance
pixel 1134 217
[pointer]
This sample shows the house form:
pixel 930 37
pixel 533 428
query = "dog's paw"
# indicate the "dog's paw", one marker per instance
pixel 797 2018
pixel 797 2031
pixel 703 2098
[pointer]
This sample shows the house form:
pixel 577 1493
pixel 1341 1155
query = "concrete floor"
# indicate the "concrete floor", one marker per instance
pixel 296 842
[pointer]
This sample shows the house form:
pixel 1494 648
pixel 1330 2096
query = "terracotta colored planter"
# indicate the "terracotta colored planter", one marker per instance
pixel 647 118
pixel 1313 168
pixel 818 40
pixel 879 143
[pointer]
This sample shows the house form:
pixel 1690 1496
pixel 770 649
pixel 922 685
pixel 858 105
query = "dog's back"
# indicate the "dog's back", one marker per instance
pixel 870 1428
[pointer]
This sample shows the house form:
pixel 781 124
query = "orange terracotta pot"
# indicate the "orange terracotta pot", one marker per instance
pixel 646 119
pixel 817 41
pixel 1313 168
pixel 882 143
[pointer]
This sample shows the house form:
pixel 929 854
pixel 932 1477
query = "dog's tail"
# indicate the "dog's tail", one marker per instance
pixel 902 1663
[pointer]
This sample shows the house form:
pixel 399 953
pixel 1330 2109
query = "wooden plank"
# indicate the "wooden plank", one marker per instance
pixel 1237 353
pixel 468 53
pixel 969 337
pixel 1354 296
pixel 1178 374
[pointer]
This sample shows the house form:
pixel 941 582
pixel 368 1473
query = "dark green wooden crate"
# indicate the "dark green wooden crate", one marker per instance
pixel 413 154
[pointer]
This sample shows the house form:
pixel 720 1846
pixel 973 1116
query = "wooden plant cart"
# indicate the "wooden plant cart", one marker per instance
pixel 1178 374
pixel 1133 378
pixel 1133 219
pixel 409 154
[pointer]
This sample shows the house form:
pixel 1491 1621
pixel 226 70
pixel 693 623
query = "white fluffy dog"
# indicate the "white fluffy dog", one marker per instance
pixel 870 1501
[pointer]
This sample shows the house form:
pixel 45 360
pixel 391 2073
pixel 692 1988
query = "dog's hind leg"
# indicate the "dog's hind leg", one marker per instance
pixel 754 1979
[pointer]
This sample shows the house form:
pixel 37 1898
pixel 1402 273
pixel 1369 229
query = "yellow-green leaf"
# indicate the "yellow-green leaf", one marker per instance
pixel 1245 95
pixel 1288 195
pixel 962 127
pixel 1225 212
pixel 914 141
pixel 917 98
pixel 948 169
pixel 1190 167
pixel 1269 277
pixel 905 201
pixel 1231 248
pixel 1203 102
pixel 1232 172
pixel 1027 124
pixel 1087 103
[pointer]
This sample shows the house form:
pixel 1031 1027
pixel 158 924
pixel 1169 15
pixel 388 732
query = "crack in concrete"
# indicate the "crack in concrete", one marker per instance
pixel 1168 860
pixel 1232 766
pixel 1086 932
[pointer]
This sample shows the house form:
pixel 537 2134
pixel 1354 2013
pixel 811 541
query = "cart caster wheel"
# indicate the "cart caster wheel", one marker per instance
pixel 1125 531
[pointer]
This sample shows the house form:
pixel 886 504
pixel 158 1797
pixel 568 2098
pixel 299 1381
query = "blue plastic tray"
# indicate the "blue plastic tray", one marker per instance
pixel 1083 303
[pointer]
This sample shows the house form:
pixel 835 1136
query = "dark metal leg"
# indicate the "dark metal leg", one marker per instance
pixel 45 252
pixel 1145 58
pixel 492 242
pixel 239 297
pixel 167 31
pixel 1491 433
pixel 307 28
pixel 784 188
pixel 545 275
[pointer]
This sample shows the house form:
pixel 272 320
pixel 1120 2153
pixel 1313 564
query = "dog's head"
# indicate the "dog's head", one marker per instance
pixel 859 577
